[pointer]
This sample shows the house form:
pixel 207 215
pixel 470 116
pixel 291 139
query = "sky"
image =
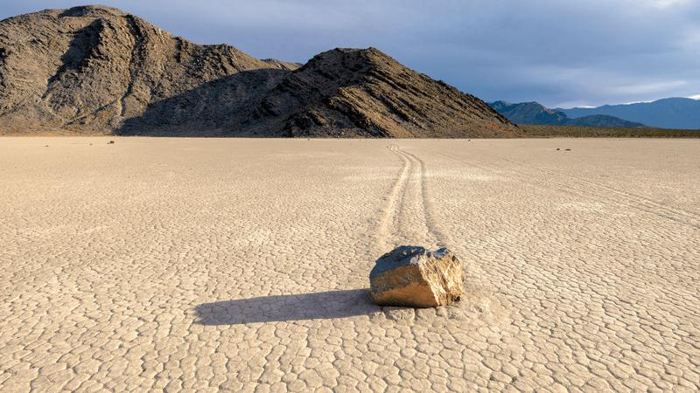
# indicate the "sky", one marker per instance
pixel 561 53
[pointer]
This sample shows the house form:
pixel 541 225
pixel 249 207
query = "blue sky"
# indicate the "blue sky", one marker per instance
pixel 558 52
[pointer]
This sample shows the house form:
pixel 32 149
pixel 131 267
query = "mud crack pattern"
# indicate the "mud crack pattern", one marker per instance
pixel 241 265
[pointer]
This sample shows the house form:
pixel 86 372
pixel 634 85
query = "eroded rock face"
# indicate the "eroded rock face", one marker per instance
pixel 415 277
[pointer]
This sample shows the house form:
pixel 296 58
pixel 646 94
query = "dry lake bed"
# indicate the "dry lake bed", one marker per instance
pixel 242 265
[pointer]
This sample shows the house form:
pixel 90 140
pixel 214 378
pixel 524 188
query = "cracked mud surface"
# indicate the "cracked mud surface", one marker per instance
pixel 242 265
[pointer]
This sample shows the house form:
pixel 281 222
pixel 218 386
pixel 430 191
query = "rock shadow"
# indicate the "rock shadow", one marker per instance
pixel 285 308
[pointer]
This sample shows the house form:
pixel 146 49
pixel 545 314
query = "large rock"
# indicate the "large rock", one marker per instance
pixel 415 277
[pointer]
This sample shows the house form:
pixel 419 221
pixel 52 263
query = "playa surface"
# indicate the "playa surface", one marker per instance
pixel 242 265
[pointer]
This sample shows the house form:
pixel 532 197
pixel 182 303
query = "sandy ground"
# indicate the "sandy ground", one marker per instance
pixel 209 264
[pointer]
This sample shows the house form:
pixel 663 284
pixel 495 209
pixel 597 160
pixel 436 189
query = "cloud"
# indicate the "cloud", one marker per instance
pixel 552 51
pixel 668 3
pixel 646 88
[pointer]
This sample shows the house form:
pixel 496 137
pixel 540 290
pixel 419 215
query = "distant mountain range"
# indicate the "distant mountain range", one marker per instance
pixel 535 113
pixel 680 113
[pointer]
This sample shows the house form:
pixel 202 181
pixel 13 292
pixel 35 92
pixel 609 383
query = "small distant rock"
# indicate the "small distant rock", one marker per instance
pixel 110 142
pixel 558 149
pixel 412 276
pixel 567 149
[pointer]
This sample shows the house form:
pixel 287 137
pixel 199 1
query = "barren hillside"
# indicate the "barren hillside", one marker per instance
pixel 98 70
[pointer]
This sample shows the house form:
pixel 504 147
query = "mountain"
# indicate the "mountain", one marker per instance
pixel 535 113
pixel 98 70
pixel 341 92
pixel 89 68
pixel 528 113
pixel 678 113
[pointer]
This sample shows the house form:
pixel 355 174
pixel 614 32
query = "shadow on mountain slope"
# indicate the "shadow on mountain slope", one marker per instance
pixel 217 108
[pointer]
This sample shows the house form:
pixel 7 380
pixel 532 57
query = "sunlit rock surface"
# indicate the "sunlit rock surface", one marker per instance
pixel 415 277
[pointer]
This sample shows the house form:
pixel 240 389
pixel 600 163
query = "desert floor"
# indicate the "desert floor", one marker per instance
pixel 242 265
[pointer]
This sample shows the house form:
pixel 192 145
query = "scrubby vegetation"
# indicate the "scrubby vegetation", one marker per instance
pixel 540 131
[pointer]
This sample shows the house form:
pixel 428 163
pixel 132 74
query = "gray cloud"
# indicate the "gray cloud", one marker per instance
pixel 560 53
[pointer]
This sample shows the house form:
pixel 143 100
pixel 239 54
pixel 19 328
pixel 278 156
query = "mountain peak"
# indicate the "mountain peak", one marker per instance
pixel 352 58
pixel 91 10
pixel 366 92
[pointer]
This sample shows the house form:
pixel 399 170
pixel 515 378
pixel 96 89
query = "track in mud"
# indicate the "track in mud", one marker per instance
pixel 407 216
pixel 591 190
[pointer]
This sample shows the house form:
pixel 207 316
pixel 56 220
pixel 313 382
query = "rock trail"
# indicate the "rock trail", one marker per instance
pixel 406 219
pixel 590 189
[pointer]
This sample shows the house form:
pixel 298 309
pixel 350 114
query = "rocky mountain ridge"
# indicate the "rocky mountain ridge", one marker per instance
pixel 98 70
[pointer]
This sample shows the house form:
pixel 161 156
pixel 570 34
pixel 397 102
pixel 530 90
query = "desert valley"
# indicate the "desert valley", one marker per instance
pixel 184 217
